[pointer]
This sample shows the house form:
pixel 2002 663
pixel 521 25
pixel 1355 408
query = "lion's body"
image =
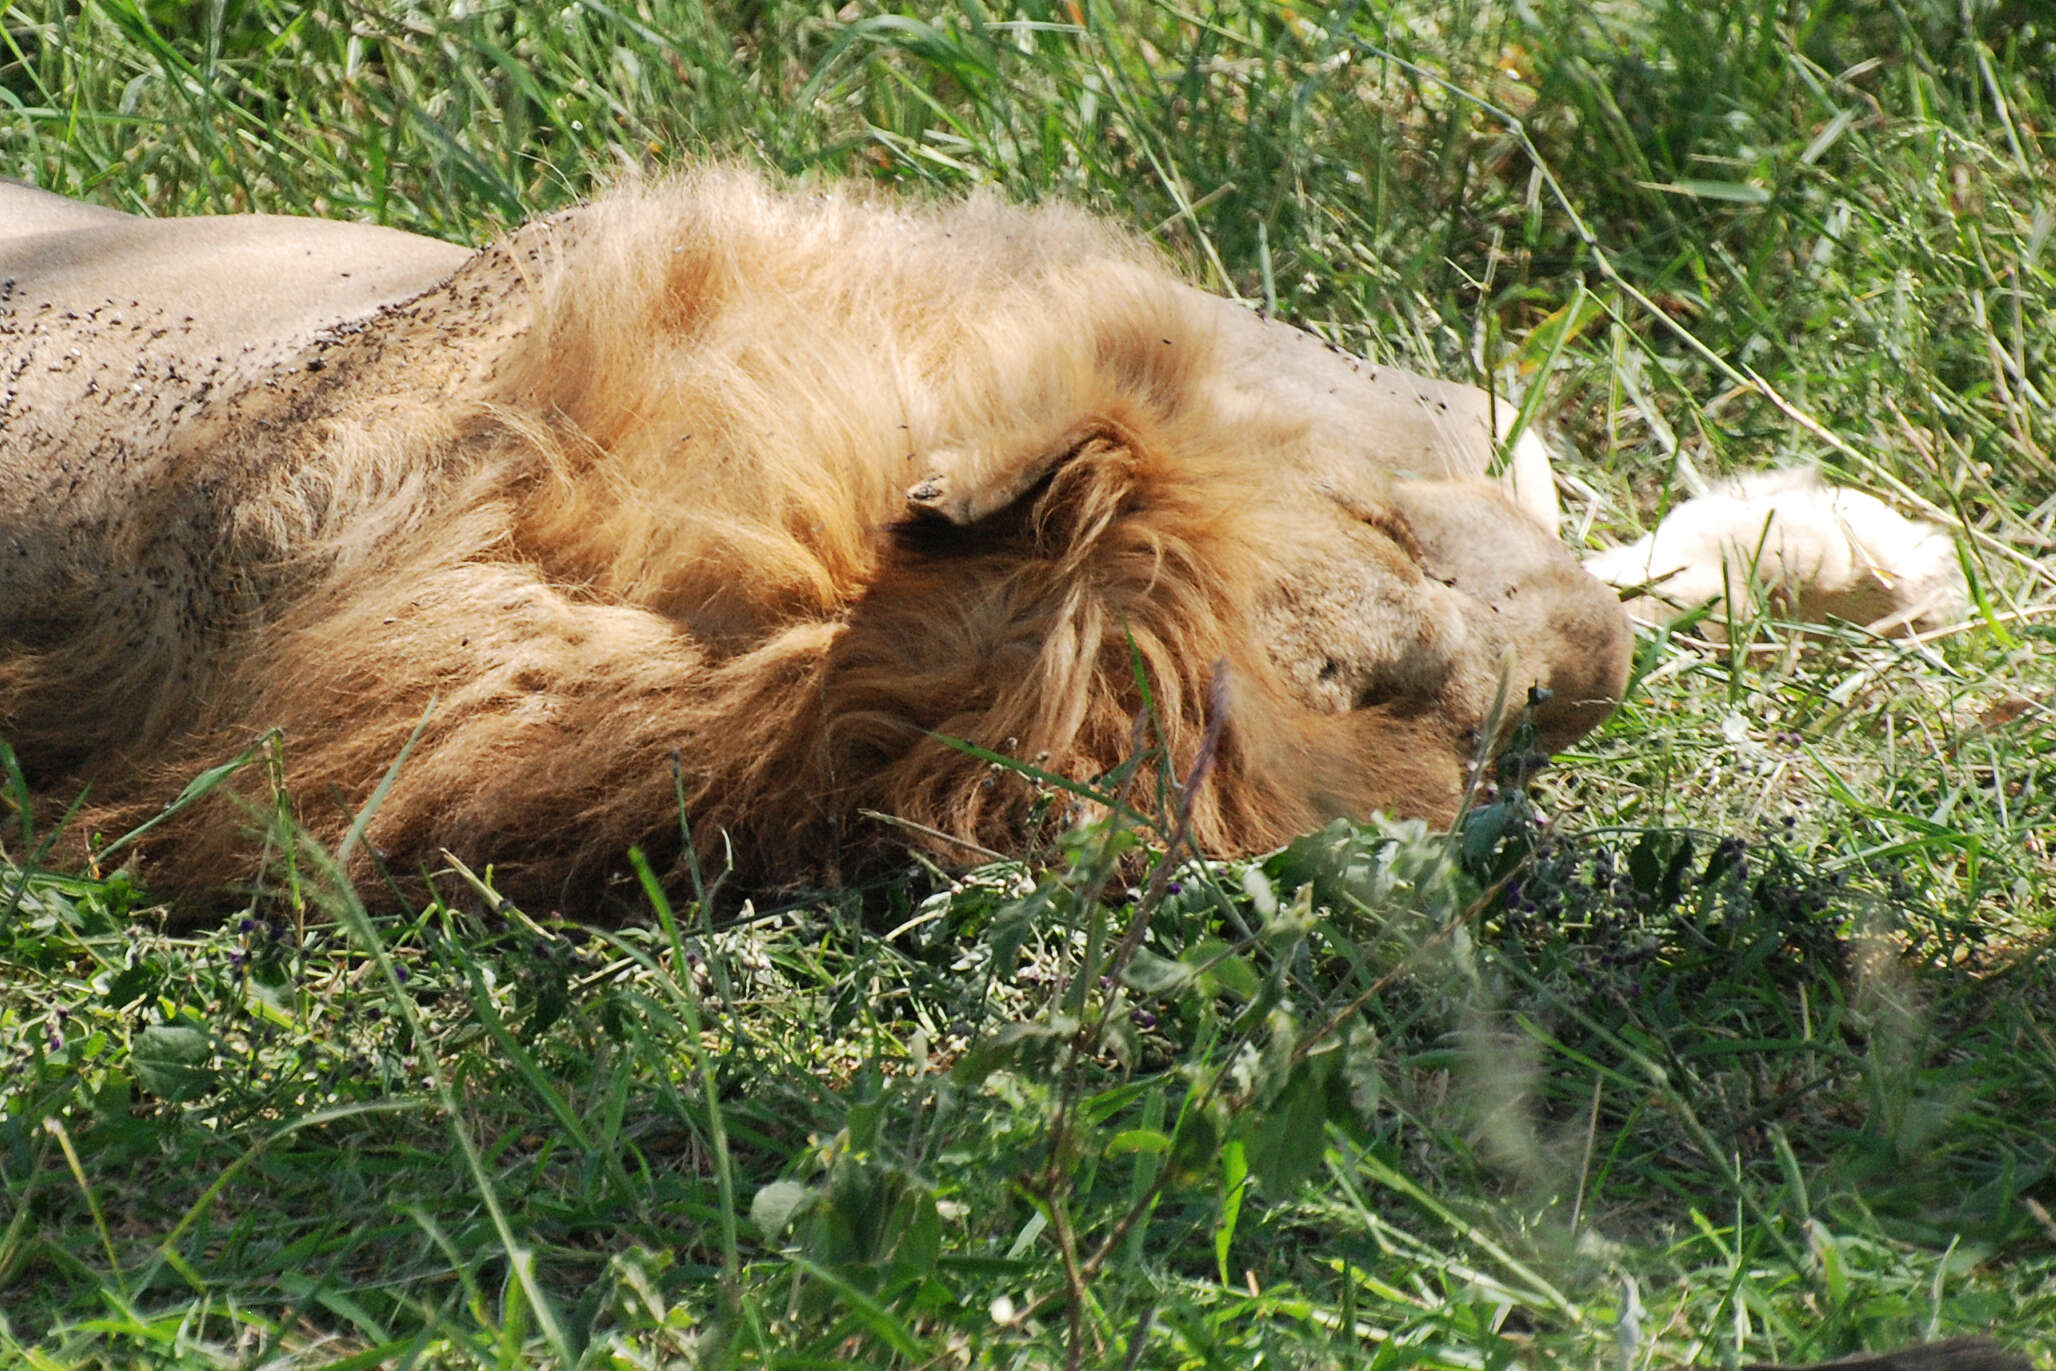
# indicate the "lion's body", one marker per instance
pixel 709 487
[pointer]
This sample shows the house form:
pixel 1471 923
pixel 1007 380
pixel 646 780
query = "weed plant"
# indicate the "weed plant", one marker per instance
pixel 1725 1040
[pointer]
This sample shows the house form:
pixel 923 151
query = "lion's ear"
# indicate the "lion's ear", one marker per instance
pixel 966 487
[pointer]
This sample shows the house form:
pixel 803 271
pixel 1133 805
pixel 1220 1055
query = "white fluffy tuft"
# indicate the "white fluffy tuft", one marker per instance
pixel 1818 552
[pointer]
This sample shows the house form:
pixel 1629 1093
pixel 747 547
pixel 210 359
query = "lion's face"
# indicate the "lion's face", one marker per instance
pixel 1351 621
pixel 1379 634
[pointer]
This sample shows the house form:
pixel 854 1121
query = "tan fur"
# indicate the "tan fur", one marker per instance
pixel 1817 552
pixel 755 491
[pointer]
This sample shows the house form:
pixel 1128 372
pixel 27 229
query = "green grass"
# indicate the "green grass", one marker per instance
pixel 1742 1049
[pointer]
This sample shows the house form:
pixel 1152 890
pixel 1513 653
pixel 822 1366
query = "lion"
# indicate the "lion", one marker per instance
pixel 781 512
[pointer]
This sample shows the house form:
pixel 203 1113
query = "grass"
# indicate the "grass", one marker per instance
pixel 1729 1042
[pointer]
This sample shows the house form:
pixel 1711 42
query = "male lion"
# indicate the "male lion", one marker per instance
pixel 753 494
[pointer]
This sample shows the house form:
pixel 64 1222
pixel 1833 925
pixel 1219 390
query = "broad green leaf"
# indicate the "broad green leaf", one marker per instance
pixel 773 1207
pixel 173 1061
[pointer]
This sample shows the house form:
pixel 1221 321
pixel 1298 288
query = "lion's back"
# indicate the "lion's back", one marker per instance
pixel 118 337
